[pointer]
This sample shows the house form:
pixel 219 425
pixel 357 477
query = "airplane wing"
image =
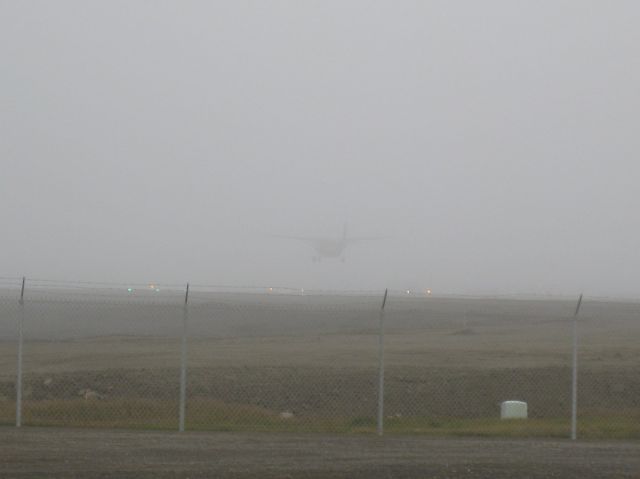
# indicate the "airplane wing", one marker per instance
pixel 366 238
pixel 314 240
pixel 305 239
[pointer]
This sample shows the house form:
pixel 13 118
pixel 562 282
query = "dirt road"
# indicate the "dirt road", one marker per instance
pixel 58 453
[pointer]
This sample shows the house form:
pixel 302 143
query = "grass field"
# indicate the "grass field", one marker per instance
pixel 298 364
pixel 210 415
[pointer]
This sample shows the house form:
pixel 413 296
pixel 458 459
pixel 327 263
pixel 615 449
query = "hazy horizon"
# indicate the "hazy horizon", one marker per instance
pixel 494 144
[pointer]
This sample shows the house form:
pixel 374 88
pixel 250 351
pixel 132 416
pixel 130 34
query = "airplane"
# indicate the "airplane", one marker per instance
pixel 330 248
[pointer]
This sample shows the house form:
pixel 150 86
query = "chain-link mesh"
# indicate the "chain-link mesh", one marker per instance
pixel 450 373
pixel 452 363
pixel 9 314
pixel 609 371
pixel 100 358
pixel 282 362
pixel 289 360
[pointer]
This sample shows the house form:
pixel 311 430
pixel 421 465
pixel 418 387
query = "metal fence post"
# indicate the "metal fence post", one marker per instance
pixel 19 373
pixel 183 361
pixel 381 368
pixel 574 377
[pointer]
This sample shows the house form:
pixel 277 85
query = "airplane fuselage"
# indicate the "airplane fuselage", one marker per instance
pixel 328 248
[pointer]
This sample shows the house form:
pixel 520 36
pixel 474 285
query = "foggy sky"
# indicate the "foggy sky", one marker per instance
pixel 496 143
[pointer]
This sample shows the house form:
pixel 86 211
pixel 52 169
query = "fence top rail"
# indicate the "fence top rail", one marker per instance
pixel 137 288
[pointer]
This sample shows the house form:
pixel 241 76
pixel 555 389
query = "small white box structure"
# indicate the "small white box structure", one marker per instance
pixel 513 410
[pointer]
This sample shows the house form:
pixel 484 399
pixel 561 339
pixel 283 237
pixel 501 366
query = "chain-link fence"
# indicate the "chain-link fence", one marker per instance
pixel 148 356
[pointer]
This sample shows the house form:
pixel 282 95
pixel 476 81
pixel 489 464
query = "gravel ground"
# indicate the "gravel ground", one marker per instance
pixel 57 453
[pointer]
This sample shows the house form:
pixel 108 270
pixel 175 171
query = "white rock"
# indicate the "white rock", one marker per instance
pixel 89 394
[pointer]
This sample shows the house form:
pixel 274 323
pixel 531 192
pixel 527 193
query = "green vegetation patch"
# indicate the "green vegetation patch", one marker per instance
pixel 211 415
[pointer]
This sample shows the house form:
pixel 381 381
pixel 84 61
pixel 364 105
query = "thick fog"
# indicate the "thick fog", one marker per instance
pixel 493 145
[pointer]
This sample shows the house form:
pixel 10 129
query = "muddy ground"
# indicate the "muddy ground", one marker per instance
pixel 68 453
